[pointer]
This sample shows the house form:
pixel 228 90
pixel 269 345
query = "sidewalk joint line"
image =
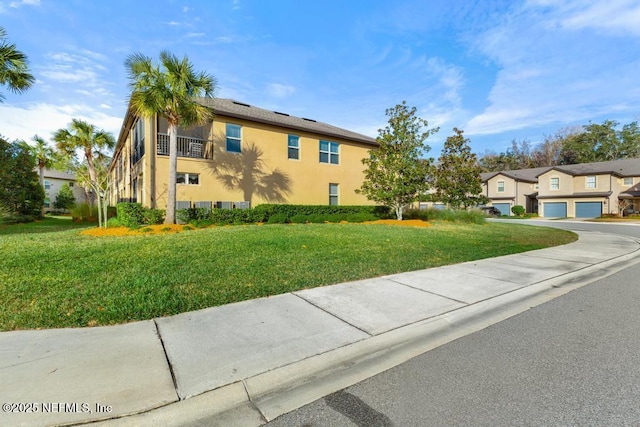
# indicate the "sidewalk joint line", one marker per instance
pixel 251 402
pixel 333 315
pixel 166 356
pixel 428 292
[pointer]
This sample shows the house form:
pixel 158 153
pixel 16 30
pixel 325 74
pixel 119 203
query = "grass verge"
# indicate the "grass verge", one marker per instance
pixel 51 278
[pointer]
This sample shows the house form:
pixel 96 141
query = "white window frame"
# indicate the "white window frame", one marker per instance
pixel 187 177
pixel 500 186
pixel 335 195
pixel 330 153
pixel 591 182
pixel 557 183
pixel 627 181
pixel 233 138
pixel 293 147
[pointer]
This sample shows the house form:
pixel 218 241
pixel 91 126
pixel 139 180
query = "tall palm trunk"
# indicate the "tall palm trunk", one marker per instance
pixel 170 217
pixel 41 173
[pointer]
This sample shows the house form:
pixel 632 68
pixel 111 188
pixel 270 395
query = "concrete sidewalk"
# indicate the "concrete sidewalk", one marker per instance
pixel 249 362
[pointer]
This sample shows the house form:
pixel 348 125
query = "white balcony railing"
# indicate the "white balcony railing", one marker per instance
pixel 187 146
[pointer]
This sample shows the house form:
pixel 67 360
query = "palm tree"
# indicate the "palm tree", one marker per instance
pixel 14 72
pixel 84 136
pixel 44 155
pixel 170 91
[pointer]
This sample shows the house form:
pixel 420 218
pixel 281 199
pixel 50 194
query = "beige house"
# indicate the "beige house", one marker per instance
pixel 53 181
pixel 584 190
pixel 506 189
pixel 245 157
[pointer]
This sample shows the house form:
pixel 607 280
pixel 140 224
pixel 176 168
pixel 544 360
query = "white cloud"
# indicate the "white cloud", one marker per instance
pixel 193 35
pixel 557 66
pixel 84 71
pixel 17 4
pixel 613 16
pixel 279 90
pixel 44 119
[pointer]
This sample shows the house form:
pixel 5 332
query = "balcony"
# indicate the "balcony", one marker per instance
pixel 187 146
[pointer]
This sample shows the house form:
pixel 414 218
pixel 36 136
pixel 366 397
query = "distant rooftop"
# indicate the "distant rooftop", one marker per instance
pixel 241 110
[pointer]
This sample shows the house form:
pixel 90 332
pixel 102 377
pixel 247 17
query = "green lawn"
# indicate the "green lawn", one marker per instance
pixel 52 276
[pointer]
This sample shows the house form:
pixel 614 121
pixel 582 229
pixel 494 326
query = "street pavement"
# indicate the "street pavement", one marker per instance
pixel 250 362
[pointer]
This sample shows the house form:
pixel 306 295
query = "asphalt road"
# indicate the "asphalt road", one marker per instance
pixel 574 361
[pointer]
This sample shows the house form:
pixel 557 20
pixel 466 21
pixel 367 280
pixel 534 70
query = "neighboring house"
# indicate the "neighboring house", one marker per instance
pixel 53 181
pixel 584 190
pixel 245 157
pixel 506 189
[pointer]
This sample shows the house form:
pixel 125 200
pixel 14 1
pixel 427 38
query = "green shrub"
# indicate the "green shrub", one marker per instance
pixel 130 214
pixel 518 210
pixel 192 214
pixel 113 222
pixel 279 218
pixel 473 216
pixel 361 217
pixel 153 216
pixel 299 219
pixel 146 230
pixel 292 210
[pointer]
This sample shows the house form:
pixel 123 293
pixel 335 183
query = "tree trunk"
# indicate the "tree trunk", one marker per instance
pixel 41 172
pixel 170 217
pixel 399 210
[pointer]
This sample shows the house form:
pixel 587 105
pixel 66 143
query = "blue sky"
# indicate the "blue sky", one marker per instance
pixel 499 70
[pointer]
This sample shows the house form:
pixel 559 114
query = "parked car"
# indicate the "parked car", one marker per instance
pixel 491 211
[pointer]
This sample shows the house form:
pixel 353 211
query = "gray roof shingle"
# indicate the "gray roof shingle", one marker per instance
pixel 231 108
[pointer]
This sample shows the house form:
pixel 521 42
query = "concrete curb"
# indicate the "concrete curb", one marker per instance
pixel 263 397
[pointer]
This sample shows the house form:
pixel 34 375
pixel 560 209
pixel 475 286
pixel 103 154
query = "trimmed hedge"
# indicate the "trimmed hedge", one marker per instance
pixel 282 214
pixel 134 215
pixel 292 210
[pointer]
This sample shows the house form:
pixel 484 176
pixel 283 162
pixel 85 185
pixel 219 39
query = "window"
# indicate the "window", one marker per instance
pixel 329 152
pixel 233 138
pixel 47 184
pixel 46 203
pixel 70 184
pixel 555 183
pixel 628 181
pixel 333 194
pixel 500 186
pixel 293 147
pixel 188 178
pixel 138 140
pixel 591 182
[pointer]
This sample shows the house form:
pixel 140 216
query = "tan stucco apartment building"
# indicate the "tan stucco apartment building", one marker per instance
pixel 245 157
pixel 584 190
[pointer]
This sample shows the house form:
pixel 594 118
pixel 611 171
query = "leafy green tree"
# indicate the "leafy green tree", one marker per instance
pixel 94 143
pixel 65 198
pixel 44 155
pixel 457 178
pixel 20 191
pixel 396 173
pixel 169 90
pixel 14 72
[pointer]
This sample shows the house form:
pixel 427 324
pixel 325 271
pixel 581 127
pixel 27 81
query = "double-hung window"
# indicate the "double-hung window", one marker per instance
pixel 333 194
pixel 293 147
pixel 591 182
pixel 555 183
pixel 329 152
pixel 234 137
pixel 500 186
pixel 47 184
pixel 628 181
